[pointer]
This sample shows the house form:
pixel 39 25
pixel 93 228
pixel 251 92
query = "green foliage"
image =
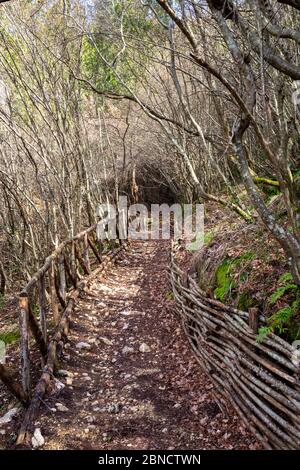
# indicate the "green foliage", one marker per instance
pixel 263 332
pixel 10 336
pixel 285 278
pixel 281 290
pixel 104 59
pixel 281 321
pixel 271 191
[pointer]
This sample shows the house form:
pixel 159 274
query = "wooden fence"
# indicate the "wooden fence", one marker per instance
pixel 261 380
pixel 52 292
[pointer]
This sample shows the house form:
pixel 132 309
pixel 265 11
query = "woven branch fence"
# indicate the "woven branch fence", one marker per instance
pixel 52 291
pixel 260 379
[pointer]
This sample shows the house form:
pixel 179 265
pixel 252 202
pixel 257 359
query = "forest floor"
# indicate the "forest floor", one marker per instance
pixel 130 379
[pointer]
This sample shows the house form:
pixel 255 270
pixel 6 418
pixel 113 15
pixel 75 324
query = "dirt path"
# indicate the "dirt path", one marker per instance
pixel 117 397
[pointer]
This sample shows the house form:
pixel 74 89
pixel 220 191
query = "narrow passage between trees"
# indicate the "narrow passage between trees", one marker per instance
pixel 130 379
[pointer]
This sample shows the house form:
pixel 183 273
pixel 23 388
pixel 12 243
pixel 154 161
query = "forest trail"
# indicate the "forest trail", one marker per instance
pixel 118 397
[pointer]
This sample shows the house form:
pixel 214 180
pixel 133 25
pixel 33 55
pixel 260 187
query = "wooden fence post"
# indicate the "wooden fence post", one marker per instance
pixel 73 261
pixel 86 252
pixel 54 304
pixel 96 244
pixel 2 279
pixel 94 250
pixel 24 343
pixel 253 319
pixel 62 277
pixel 81 261
pixel 42 302
pixel 70 272
pixel 37 332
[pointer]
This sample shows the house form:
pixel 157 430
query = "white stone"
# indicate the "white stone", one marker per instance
pixel 61 407
pixel 37 439
pixel 83 345
pixel 144 348
pixel 106 341
pixel 9 416
pixel 127 350
pixel 58 386
pixel 65 373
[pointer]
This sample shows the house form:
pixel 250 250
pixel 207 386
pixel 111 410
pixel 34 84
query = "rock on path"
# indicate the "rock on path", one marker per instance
pixel 130 379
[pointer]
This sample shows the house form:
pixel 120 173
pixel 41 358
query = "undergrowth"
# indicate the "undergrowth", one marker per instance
pixel 285 298
pixel 10 337
pixel 283 322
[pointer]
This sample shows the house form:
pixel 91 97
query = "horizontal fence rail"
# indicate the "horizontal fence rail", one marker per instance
pixel 260 379
pixel 45 306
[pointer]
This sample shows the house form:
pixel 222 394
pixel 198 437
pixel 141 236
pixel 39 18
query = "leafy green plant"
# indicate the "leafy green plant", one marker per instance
pixel 285 279
pixel 263 332
pixel 280 292
pixel 279 321
pixel 10 336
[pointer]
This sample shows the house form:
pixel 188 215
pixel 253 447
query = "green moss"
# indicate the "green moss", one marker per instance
pixel 223 279
pixel 169 295
pixel 208 238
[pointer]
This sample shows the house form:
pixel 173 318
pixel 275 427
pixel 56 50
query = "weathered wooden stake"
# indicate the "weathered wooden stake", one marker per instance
pixel 2 279
pixel 54 304
pixel 81 261
pixel 73 261
pixel 62 277
pixel 94 250
pixel 24 343
pixel 86 253
pixel 37 332
pixel 42 303
pixel 253 319
pixel 70 272
pixel 58 292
